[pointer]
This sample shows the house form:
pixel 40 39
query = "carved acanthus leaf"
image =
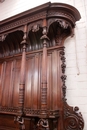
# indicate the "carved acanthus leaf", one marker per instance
pixel 35 28
pixel 63 24
pixel 2 38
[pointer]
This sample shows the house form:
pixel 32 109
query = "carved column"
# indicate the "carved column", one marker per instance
pixel 22 80
pixel 44 70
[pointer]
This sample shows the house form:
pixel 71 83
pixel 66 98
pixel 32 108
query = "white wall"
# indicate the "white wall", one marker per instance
pixel 76 49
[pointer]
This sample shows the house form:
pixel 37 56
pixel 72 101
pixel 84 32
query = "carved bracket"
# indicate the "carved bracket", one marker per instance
pixel 73 119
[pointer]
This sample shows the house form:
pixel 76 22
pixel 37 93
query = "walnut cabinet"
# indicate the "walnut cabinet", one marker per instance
pixel 32 70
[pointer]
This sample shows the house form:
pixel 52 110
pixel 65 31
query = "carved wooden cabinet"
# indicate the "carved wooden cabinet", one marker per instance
pixel 32 70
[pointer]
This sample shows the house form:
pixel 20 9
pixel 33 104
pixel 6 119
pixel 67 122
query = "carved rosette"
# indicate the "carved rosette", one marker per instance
pixel 73 119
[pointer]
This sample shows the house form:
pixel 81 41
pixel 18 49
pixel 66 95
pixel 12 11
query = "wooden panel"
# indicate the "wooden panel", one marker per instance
pixel 16 81
pixel 33 81
pixel 7 122
pixel 54 80
pixel 9 83
pixel 32 89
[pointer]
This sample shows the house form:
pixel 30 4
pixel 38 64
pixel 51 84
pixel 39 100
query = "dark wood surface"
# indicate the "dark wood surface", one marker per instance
pixel 32 70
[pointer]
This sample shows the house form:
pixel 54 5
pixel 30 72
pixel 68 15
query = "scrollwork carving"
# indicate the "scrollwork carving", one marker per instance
pixel 73 119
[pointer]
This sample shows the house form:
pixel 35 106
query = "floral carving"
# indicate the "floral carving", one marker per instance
pixel 35 28
pixel 73 119
pixel 63 24
pixel 63 77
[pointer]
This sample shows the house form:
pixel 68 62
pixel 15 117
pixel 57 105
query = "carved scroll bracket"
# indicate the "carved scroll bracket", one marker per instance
pixel 73 119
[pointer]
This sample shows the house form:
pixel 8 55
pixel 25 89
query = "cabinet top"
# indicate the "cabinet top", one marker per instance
pixel 48 10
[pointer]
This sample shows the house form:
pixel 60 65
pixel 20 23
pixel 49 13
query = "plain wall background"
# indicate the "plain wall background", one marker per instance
pixel 76 49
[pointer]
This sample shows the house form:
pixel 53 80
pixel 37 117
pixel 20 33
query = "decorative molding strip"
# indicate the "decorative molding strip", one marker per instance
pixel 37 113
pixel 9 109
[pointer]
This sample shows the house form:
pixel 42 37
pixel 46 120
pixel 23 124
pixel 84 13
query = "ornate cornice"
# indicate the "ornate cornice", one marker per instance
pixel 48 11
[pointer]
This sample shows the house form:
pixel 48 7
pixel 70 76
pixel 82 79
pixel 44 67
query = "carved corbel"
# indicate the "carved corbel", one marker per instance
pixel 63 30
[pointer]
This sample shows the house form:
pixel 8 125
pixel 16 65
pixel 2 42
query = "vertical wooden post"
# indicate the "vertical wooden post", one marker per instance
pixel 22 80
pixel 44 70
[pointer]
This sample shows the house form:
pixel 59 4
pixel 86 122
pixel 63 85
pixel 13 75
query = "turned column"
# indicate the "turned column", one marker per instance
pixel 22 74
pixel 22 80
pixel 44 70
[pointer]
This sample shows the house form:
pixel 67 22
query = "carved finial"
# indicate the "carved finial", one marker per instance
pixel 25 35
pixel 44 37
